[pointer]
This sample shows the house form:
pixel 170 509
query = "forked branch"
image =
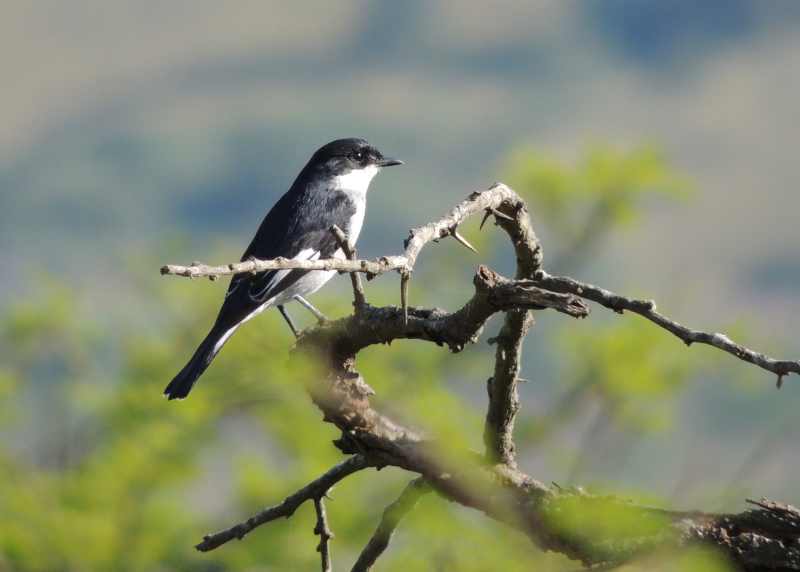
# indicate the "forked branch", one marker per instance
pixel 765 537
pixel 511 214
pixel 316 489
pixel 647 309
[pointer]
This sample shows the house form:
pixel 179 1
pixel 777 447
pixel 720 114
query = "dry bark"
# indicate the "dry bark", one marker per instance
pixel 763 537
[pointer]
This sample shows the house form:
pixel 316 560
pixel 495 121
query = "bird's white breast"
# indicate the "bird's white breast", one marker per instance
pixel 356 182
pixel 357 221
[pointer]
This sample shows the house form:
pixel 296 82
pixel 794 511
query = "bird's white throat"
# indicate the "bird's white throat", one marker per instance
pixel 356 181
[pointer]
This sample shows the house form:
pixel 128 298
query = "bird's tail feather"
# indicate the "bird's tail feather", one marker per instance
pixel 182 383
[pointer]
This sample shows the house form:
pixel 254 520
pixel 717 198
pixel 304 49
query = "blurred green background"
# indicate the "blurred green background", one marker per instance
pixel 654 141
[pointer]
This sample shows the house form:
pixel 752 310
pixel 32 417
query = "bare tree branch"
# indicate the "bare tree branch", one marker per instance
pixel 765 537
pixel 512 217
pixel 502 388
pixel 314 490
pixel 322 530
pixel 647 309
pixel 504 203
pixel 493 293
pixel 477 202
pixel 254 266
pixel 499 200
pixel 349 249
pixel 502 492
pixel 392 515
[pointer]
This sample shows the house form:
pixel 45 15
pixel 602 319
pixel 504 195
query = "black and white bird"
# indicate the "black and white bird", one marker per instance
pixel 331 189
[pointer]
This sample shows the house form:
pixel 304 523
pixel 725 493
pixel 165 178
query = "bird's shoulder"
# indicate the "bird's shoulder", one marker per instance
pixel 302 219
pixel 298 226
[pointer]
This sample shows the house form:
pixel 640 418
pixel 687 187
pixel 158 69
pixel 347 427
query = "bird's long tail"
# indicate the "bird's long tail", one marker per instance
pixel 182 384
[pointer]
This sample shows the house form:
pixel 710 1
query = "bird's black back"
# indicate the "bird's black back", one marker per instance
pixel 300 220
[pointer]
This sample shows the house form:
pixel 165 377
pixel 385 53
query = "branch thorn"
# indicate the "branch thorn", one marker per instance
pixel 483 220
pixel 405 276
pixel 462 240
pixel 502 215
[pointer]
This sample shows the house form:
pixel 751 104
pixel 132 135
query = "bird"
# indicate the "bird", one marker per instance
pixel 330 190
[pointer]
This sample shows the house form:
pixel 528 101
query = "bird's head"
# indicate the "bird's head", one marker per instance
pixel 353 162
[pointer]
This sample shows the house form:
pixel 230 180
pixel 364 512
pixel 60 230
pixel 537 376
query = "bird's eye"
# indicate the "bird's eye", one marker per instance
pixel 358 155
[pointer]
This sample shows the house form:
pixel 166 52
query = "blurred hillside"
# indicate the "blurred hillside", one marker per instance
pixel 129 123
pixel 139 133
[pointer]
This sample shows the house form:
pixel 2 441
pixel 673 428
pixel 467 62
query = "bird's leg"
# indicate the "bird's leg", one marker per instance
pixel 288 319
pixel 321 318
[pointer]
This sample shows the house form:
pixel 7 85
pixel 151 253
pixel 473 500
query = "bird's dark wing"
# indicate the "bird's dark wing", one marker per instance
pixel 311 245
pixel 298 226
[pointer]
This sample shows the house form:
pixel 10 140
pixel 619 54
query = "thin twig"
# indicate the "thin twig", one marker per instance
pixel 493 199
pixel 349 249
pixel 253 266
pixel 647 309
pixel 392 515
pixel 314 490
pixel 497 199
pixel 322 530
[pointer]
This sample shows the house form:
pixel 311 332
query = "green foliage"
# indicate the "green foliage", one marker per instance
pixel 604 521
pixel 142 479
pixel 633 367
pixel 607 185
pixel 691 560
pixel 605 191
pixel 101 473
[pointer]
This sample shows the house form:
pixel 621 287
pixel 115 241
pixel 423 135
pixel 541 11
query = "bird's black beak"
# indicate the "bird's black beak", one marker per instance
pixel 387 162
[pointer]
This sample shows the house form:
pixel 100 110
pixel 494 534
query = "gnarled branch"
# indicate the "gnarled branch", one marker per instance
pixel 503 492
pixel 511 215
pixel 647 309
pixel 764 537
